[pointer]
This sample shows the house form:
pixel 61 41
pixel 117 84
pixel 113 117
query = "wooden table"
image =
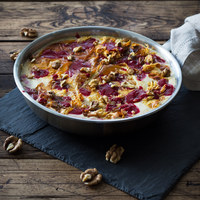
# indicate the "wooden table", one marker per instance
pixel 34 174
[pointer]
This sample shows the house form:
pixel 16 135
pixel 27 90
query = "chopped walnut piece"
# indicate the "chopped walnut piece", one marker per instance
pixel 118 42
pixel 80 79
pixel 91 177
pixel 115 84
pixel 104 99
pixel 165 72
pixel 130 84
pixel 131 71
pixel 94 105
pixel 95 43
pixel 14 54
pixel 150 67
pixel 122 42
pixel 98 113
pixel 55 64
pixel 110 77
pixel 64 76
pixel 63 83
pixel 108 60
pixel 153 86
pixel 114 153
pixel 85 69
pixel 52 94
pixel 12 144
pixel 29 32
pixel 93 84
pixel 131 56
pixel 77 49
pixel 70 57
pixel 33 60
pixel 148 59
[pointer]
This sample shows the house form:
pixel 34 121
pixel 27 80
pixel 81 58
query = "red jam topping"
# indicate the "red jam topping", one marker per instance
pixel 76 66
pixel 162 82
pixel 40 73
pixel 87 44
pixel 158 59
pixel 32 92
pixel 169 88
pixel 107 90
pixel 141 76
pixel 55 77
pixel 135 63
pixel 136 95
pixel 56 84
pixel 84 91
pixel 110 46
pixel 129 108
pixel 42 100
pixel 65 101
pixel 49 53
pixel 76 111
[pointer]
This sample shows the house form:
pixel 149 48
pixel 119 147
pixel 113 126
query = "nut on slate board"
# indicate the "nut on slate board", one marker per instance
pixel 91 177
pixel 12 144
pixel 29 32
pixel 114 153
pixel 14 54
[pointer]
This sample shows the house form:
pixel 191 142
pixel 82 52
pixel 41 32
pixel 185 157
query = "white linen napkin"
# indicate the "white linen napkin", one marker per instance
pixel 184 44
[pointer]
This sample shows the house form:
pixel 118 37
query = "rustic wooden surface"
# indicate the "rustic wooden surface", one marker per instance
pixel 33 174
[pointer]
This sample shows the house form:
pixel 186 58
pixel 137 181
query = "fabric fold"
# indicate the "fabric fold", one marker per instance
pixel 184 44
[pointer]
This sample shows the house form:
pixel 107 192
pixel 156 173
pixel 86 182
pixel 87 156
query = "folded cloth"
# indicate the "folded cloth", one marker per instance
pixel 184 44
pixel 155 156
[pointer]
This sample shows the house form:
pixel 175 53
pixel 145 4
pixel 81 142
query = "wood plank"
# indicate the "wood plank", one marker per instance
pixel 145 17
pixel 5 49
pixel 27 152
pixel 32 177
pixel 113 197
pixel 69 176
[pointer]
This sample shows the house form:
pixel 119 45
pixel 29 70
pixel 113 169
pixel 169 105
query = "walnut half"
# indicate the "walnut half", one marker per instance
pixel 91 177
pixel 12 144
pixel 29 32
pixel 114 153
pixel 14 54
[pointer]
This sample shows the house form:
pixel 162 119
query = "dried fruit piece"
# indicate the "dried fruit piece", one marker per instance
pixel 14 54
pixel 91 177
pixel 114 153
pixel 29 32
pixel 12 144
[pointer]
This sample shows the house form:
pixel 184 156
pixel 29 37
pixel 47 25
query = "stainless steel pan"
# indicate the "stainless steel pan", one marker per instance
pixel 88 126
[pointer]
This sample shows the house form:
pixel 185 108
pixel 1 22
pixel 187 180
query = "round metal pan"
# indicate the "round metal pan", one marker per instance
pixel 87 126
